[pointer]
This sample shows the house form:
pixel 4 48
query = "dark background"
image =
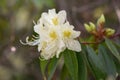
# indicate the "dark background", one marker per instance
pixel 19 62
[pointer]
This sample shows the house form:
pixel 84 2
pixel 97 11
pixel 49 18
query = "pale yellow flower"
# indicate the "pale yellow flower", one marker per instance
pixel 53 18
pixel 69 35
pixel 55 34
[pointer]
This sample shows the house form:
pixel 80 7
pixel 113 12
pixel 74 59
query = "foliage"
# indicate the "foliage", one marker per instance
pixel 101 62
pixel 99 58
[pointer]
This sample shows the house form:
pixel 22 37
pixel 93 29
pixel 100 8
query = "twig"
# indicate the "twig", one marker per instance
pixel 116 35
pixel 90 42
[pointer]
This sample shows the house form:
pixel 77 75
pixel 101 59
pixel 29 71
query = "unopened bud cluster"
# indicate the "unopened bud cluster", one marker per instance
pixel 98 30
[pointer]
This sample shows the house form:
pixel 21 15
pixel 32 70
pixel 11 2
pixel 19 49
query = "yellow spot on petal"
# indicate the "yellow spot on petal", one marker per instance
pixel 53 35
pixel 67 33
pixel 55 21
pixel 44 44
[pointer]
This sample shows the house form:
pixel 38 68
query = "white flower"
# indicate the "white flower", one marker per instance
pixel 50 43
pixel 51 50
pixel 52 18
pixel 55 34
pixel 69 35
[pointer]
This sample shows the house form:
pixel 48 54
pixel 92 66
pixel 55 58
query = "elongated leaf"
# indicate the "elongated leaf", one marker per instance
pixel 96 65
pixel 112 48
pixel 52 67
pixel 71 63
pixel 117 63
pixel 107 61
pixel 43 67
pixel 82 68
pixel 64 74
pixel 117 42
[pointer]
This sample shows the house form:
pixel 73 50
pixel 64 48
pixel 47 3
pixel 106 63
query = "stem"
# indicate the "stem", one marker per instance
pixel 90 42
pixel 116 35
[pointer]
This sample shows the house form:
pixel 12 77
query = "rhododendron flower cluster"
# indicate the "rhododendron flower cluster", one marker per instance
pixel 55 34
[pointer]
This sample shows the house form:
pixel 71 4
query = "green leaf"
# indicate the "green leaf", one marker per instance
pixel 64 74
pixel 96 65
pixel 112 48
pixel 48 67
pixel 107 61
pixel 52 67
pixel 43 66
pixel 117 63
pixel 82 67
pixel 117 42
pixel 71 63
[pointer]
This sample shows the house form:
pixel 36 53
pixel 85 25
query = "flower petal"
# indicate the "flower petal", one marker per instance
pixel 62 16
pixel 46 19
pixel 39 47
pixel 76 34
pixel 60 48
pixel 67 25
pixel 52 12
pixel 37 28
pixel 49 51
pixel 73 45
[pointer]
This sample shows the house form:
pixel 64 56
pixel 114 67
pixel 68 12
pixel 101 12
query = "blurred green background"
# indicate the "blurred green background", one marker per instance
pixel 19 62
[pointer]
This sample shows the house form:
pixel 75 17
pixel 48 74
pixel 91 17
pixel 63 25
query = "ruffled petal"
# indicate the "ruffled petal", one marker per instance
pixel 40 47
pixel 52 12
pixel 31 43
pixel 61 48
pixel 37 28
pixel 49 51
pixel 76 34
pixel 73 45
pixel 62 17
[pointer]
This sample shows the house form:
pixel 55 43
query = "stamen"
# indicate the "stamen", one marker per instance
pixel 55 21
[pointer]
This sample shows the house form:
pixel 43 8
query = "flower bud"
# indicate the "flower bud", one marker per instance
pixel 87 27
pixel 109 32
pixel 101 20
pixel 90 27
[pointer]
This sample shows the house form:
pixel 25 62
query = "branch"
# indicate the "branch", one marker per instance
pixel 90 42
pixel 116 35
